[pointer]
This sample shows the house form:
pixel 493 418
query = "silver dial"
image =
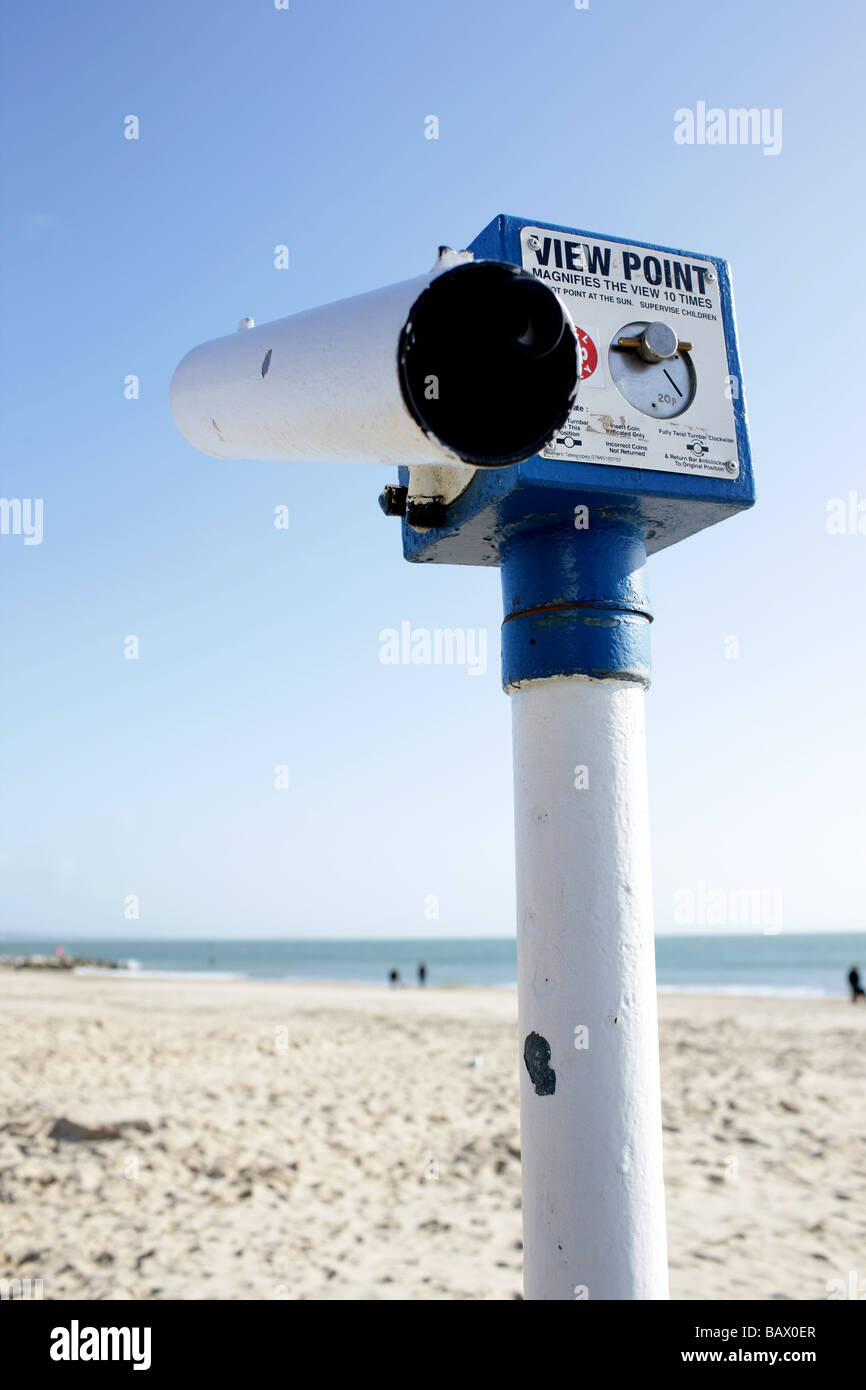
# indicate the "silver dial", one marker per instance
pixel 652 369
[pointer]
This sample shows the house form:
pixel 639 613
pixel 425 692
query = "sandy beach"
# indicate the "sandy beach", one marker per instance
pixel 229 1139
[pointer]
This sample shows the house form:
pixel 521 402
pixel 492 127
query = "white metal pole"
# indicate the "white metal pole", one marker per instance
pixel 593 1197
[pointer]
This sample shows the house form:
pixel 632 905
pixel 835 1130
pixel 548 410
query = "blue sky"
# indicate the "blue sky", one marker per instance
pixel 258 647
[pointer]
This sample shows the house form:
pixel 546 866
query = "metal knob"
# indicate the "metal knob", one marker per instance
pixel 656 343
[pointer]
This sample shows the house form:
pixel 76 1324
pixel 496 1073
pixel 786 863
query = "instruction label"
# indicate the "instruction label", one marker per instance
pixel 609 288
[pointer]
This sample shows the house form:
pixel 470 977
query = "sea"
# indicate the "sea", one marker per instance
pixel 788 964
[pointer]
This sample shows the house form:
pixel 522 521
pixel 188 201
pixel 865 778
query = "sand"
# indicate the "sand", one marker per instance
pixel 221 1140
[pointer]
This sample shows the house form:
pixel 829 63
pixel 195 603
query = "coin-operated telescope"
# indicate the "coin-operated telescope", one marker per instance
pixel 654 449
pixel 467 379
pixel 473 364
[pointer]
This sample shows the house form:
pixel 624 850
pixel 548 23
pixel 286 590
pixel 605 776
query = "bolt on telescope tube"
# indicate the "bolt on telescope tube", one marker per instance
pixel 475 362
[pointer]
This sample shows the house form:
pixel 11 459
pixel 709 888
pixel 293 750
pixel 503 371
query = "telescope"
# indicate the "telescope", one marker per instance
pixel 475 363
pixel 466 378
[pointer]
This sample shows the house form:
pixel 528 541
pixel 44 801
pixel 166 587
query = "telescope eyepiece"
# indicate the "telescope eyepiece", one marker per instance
pixel 488 362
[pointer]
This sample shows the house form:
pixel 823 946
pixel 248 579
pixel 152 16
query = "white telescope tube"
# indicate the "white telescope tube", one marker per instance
pixel 593 1196
pixel 475 362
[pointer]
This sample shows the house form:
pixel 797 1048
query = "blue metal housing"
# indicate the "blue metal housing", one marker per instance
pixel 575 599
pixel 670 506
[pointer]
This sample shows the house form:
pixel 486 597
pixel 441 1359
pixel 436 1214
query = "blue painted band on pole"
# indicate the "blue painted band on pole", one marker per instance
pixel 575 601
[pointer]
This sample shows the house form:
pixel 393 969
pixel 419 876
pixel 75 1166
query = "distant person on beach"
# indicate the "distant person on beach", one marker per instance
pixel 394 977
pixel 857 990
pixel 422 973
